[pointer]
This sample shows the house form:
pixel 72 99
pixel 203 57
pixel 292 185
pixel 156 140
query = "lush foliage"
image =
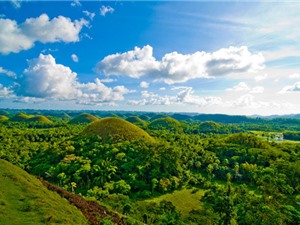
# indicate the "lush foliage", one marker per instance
pixel 242 174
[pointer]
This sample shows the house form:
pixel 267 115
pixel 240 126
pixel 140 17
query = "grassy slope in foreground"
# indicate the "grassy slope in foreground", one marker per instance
pixel 184 200
pixel 24 200
pixel 117 128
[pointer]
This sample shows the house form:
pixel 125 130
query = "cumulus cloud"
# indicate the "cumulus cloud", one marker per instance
pixel 74 57
pixel 184 96
pixel 6 92
pixel 242 86
pixel 17 37
pixel 91 15
pixel 175 67
pixel 144 84
pixel 7 72
pixel 45 79
pixel 257 90
pixel 289 89
pixel 106 9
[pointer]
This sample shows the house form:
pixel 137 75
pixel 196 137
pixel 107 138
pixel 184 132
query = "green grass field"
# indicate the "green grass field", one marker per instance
pixel 24 200
pixel 184 200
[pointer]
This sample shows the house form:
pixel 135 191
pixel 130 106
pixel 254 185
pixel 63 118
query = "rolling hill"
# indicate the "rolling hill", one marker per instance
pixel 136 120
pixel 167 123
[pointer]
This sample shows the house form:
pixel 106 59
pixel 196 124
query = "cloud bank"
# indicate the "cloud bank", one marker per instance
pixel 175 67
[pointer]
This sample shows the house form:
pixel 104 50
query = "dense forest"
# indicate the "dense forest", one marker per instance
pixel 154 168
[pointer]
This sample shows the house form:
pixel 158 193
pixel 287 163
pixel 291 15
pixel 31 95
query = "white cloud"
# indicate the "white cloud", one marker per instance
pixel 106 9
pixel 45 79
pixel 16 3
pixel 76 3
pixel 243 87
pixel 74 57
pixel 184 96
pixel 261 77
pixel 6 92
pixel 288 89
pixel 17 37
pixel 175 67
pixel 294 76
pixel 108 80
pixel 98 93
pixel 144 84
pixel 162 89
pixel 91 15
pixel 7 72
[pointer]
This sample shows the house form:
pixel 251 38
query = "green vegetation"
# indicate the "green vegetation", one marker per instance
pixel 24 200
pixel 83 118
pixel 117 129
pixel 231 170
pixel 20 117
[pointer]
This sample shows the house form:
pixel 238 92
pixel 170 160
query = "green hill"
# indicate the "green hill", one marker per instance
pixel 83 118
pixel 118 129
pixel 144 117
pixel 136 120
pixel 211 127
pixel 39 119
pixel 3 118
pixel 167 123
pixel 20 117
pixel 24 200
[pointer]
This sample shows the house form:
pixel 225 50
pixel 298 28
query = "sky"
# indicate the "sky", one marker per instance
pixel 228 57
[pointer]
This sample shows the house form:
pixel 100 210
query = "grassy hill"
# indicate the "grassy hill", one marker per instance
pixel 20 117
pixel 83 118
pixel 118 129
pixel 39 119
pixel 24 200
pixel 167 123
pixel 3 118
pixel 136 120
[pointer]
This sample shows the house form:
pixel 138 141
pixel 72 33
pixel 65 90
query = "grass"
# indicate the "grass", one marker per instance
pixel 24 200
pixel 136 120
pixel 83 118
pixel 184 200
pixel 118 129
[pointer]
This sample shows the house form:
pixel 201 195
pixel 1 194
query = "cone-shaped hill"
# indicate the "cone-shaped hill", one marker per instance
pixel 136 120
pixel 83 118
pixel 118 129
pixel 20 117
pixel 24 200
pixel 211 127
pixel 39 119
pixel 3 118
pixel 167 123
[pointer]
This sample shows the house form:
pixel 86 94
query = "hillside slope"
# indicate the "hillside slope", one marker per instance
pixel 24 200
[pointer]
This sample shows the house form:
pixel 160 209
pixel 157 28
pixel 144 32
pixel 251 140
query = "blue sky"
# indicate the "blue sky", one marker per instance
pixel 230 57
